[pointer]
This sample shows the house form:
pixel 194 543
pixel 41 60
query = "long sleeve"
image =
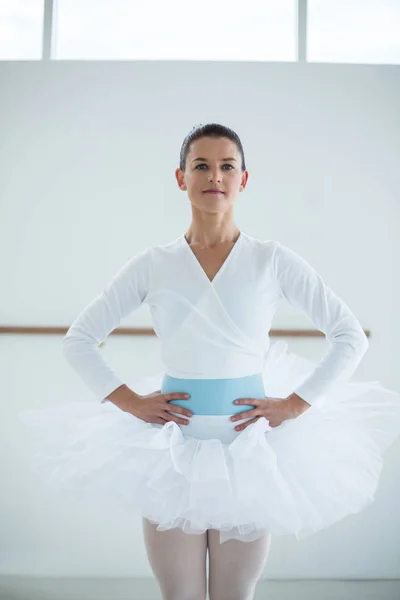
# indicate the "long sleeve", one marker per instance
pixel 125 292
pixel 304 288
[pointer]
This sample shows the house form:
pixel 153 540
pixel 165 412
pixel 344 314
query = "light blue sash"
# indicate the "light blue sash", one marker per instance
pixel 215 396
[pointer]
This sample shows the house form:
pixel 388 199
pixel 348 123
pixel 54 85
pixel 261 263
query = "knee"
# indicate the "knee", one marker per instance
pixel 185 589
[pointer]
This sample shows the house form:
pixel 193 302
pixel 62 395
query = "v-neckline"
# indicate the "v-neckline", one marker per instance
pixel 224 264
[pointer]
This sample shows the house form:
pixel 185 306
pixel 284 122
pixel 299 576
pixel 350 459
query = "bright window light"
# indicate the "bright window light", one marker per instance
pixel 354 31
pixel 256 30
pixel 21 29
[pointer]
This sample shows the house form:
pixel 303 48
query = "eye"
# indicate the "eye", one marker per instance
pixel 204 164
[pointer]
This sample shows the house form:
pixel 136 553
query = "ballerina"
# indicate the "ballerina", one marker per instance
pixel 237 440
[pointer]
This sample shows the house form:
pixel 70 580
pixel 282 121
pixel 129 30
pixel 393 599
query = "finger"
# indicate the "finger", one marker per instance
pixel 179 396
pixel 244 415
pixel 244 425
pixel 176 396
pixel 179 409
pixel 183 411
pixel 176 419
pixel 255 401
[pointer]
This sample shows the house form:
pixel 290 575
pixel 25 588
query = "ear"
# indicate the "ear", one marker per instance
pixel 180 179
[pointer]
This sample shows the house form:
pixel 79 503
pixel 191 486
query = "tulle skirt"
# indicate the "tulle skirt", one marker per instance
pixel 297 478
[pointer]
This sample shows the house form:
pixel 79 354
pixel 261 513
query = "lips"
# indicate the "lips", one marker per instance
pixel 213 192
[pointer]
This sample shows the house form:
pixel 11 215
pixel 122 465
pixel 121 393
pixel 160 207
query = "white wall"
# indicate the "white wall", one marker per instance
pixel 87 158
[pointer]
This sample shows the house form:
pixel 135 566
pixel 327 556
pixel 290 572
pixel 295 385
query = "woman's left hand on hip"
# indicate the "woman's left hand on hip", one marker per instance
pixel 275 410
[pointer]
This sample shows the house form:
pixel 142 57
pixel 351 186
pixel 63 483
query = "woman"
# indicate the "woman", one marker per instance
pixel 260 442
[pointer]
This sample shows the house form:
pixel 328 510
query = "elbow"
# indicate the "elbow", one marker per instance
pixel 356 340
pixel 77 338
pixel 66 345
pixel 70 341
pixel 364 343
pixel 360 343
pixel 65 340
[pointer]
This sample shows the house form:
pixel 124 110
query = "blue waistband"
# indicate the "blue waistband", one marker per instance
pixel 215 396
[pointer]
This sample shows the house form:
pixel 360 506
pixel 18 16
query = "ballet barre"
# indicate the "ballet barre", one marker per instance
pixel 54 330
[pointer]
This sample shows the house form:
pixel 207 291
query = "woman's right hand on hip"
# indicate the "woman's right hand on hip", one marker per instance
pixel 155 407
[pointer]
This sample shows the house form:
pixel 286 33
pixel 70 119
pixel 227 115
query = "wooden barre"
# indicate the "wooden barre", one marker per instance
pixel 41 330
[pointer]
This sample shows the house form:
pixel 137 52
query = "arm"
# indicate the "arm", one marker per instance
pixel 296 406
pixel 124 293
pixel 304 288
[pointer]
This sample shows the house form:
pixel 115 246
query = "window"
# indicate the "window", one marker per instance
pixel 176 30
pixel 354 31
pixel 338 31
pixel 21 29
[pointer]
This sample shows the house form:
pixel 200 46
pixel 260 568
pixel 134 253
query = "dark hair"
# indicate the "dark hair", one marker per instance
pixel 214 130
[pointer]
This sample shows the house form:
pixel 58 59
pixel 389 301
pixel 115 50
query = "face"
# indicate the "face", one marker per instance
pixel 212 163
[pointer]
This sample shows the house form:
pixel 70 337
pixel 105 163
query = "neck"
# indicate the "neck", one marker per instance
pixel 209 237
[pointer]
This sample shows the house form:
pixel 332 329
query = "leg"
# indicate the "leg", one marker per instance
pixel 178 561
pixel 235 566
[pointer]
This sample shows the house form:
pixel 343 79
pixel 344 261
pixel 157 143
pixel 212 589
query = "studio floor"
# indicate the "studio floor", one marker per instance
pixel 30 588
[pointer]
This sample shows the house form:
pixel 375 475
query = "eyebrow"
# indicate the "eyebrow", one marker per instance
pixel 230 158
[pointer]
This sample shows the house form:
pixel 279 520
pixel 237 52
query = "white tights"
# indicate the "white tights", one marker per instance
pixel 178 561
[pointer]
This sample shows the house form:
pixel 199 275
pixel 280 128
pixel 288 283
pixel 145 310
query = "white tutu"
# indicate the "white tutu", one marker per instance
pixel 297 478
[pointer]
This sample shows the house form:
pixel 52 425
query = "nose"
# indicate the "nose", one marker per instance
pixel 214 175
